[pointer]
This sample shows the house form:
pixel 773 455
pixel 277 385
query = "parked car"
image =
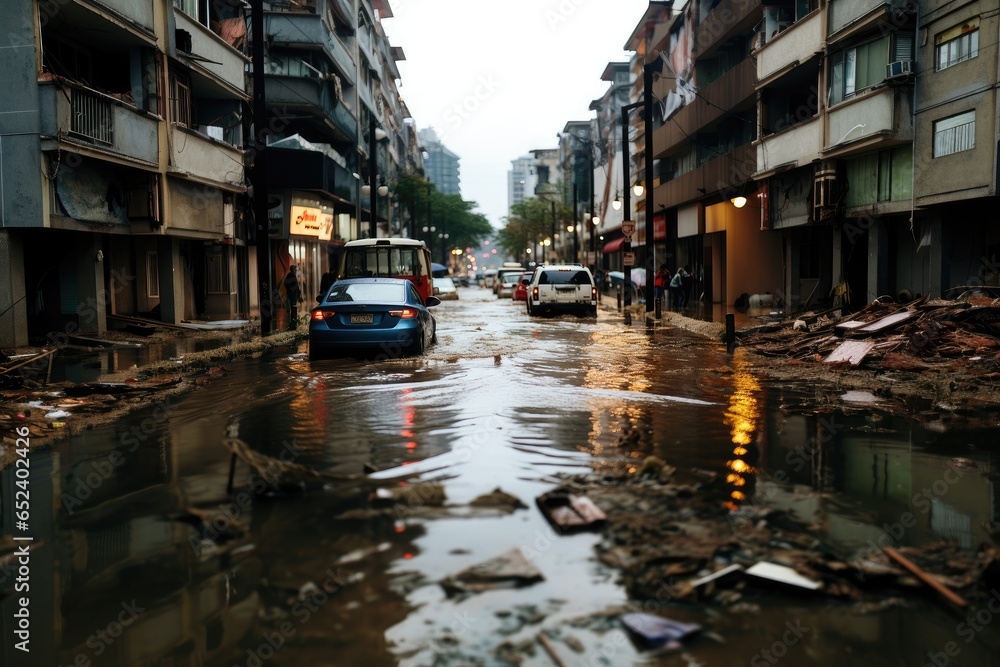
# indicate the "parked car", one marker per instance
pixel 489 275
pixel 521 288
pixel 505 288
pixel 372 314
pixel 508 267
pixel 615 280
pixel 559 288
pixel 444 289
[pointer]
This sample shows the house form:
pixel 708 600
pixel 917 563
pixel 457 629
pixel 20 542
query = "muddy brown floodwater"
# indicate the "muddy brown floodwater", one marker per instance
pixel 140 555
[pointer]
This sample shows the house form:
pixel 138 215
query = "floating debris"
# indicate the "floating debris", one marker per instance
pixel 508 570
pixel 651 631
pixel 569 512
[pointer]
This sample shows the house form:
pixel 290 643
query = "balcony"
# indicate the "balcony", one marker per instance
pixel 796 146
pixel 138 12
pixel 90 119
pixel 878 118
pixel 309 170
pixel 847 16
pixel 316 98
pixel 210 55
pixel 309 31
pixel 728 18
pixel 795 44
pixel 197 156
pixel 730 91
pixel 717 175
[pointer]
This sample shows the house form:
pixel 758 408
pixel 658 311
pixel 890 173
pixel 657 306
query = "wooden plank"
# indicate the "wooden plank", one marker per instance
pixel 850 325
pixel 853 351
pixel 886 323
pixel 38 356
pixel 144 320
pixel 946 592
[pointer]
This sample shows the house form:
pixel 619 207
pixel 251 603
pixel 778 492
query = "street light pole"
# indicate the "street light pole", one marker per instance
pixel 372 167
pixel 627 245
pixel 647 120
pixel 576 246
pixel 592 228
pixel 262 236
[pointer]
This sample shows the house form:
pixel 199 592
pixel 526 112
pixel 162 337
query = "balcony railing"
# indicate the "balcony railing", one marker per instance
pixel 91 117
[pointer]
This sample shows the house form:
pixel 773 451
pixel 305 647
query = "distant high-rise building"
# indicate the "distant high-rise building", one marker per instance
pixel 520 180
pixel 440 165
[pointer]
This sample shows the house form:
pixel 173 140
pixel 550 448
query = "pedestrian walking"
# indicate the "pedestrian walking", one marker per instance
pixel 325 281
pixel 660 282
pixel 677 288
pixel 687 283
pixel 293 296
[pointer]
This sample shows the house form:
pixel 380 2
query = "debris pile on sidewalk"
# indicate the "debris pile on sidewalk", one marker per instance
pixel 674 541
pixel 922 335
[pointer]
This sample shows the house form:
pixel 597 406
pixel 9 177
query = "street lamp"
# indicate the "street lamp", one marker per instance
pixel 370 188
pixel 430 229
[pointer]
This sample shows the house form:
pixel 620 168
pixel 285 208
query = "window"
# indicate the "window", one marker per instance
pixel 858 68
pixel 956 45
pixel 955 134
pixel 152 276
pixel 216 272
pixel 182 100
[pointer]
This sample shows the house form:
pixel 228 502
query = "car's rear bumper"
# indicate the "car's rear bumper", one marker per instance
pixel 404 334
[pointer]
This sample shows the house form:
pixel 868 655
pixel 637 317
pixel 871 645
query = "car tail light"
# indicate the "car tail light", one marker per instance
pixel 319 315
pixel 593 293
pixel 534 293
pixel 404 314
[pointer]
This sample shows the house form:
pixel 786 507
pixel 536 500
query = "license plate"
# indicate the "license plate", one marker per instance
pixel 362 318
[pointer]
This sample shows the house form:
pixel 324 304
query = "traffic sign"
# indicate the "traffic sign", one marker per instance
pixel 628 228
pixel 629 259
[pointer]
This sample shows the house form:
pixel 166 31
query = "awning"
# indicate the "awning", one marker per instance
pixel 613 246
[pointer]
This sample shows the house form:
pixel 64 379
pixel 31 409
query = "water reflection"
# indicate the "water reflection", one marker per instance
pixel 742 416
pixel 112 569
pixel 878 478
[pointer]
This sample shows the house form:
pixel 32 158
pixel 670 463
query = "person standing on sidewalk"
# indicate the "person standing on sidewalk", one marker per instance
pixel 293 295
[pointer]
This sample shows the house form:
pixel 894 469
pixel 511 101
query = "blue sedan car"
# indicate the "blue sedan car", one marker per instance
pixel 374 314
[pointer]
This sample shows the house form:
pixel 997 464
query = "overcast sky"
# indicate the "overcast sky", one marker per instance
pixel 496 80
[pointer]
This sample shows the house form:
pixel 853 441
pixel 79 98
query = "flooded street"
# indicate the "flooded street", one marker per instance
pixel 142 557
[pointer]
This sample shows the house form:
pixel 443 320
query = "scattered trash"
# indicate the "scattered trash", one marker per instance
pixel 57 414
pixel 498 499
pixel 651 631
pixel 508 570
pixel 946 592
pixel 568 512
pixel 783 575
pixel 717 576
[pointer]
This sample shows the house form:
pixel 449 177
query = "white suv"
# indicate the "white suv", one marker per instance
pixel 559 288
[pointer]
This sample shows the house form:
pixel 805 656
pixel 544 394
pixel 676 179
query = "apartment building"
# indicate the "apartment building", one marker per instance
pixel 337 126
pixel 956 151
pixel 121 139
pixel 607 168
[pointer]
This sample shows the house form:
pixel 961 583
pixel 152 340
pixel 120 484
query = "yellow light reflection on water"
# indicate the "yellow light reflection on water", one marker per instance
pixel 742 416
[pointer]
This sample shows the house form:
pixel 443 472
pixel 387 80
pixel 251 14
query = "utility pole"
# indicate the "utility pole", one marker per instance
pixel 626 199
pixel 592 227
pixel 372 181
pixel 647 121
pixel 259 174
pixel 576 224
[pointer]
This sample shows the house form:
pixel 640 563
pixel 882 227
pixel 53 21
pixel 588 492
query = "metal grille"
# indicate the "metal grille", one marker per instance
pixel 92 117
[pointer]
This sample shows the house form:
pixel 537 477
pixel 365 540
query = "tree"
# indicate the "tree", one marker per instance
pixel 449 214
pixel 530 222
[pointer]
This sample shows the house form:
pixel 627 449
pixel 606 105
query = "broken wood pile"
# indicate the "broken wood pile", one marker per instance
pixel 916 336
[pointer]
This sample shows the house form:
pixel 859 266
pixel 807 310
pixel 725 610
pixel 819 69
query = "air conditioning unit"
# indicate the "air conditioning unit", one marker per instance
pixel 900 68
